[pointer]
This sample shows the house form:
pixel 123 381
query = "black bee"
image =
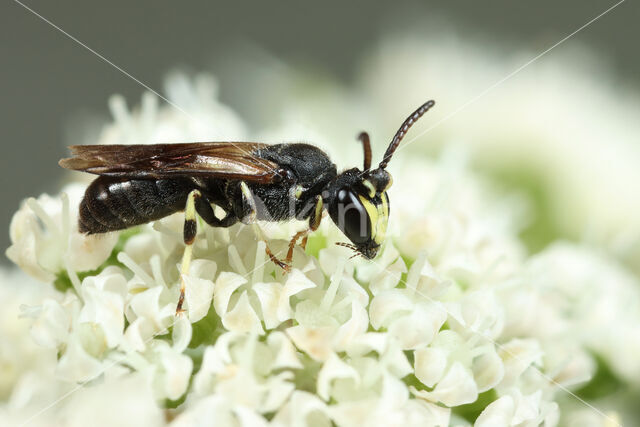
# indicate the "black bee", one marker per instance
pixel 250 181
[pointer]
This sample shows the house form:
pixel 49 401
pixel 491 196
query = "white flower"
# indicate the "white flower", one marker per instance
pixel 241 369
pixel 173 371
pixel 457 369
pixel 597 301
pixel 515 409
pixel 19 355
pixel 103 297
pixel 201 117
pixel 45 238
pixel 302 409
pixel 125 401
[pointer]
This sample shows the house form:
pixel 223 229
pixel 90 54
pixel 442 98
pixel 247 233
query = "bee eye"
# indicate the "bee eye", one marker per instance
pixel 353 218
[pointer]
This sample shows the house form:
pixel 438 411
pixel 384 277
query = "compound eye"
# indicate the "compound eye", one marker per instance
pixel 353 218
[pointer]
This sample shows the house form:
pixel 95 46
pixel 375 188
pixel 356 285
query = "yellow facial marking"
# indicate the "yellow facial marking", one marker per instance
pixel 372 212
pixel 383 219
pixel 370 187
pixel 378 215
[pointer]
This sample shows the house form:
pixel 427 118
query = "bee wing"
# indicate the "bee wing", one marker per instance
pixel 228 160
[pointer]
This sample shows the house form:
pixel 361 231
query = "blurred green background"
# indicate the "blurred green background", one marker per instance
pixel 49 84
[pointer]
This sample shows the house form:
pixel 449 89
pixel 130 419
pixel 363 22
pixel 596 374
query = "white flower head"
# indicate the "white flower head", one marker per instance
pixel 453 323
pixel 45 238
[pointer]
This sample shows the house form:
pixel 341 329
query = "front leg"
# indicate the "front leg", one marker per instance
pixel 314 222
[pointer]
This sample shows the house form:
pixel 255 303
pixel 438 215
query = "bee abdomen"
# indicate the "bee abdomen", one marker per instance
pixel 111 204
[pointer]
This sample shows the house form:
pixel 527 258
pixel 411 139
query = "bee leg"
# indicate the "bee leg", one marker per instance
pixel 205 210
pixel 189 234
pixel 249 200
pixel 282 264
pixel 314 222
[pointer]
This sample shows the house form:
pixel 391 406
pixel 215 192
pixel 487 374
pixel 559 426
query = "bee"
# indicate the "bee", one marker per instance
pixel 249 181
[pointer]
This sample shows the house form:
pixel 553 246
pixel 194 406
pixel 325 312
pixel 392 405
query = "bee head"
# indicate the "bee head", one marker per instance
pixel 360 209
pixel 359 203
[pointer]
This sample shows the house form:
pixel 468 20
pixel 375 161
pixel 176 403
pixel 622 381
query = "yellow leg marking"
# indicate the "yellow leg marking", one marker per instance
pixel 190 230
pixel 314 221
pixel 246 193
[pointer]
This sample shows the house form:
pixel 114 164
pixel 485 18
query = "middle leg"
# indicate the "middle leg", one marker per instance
pixel 314 223
pixel 251 217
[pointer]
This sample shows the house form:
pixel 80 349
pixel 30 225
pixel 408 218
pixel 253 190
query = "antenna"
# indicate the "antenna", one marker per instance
pixel 366 145
pixel 403 130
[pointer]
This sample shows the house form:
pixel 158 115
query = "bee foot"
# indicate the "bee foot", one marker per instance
pixel 282 264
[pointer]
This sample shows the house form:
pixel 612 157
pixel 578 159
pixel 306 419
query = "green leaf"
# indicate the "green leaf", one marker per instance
pixel 543 227
pixel 306 378
pixel 604 382
pixel 315 242
pixel 206 330
pixel 471 411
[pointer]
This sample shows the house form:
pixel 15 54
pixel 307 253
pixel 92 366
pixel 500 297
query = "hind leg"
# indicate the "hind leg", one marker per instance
pixel 189 235
pixel 196 204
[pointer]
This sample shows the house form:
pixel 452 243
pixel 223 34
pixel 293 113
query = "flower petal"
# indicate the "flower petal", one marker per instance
pixel 302 408
pixel 76 364
pixel 268 296
pixel 177 369
pixel 356 325
pixel 488 370
pixel 103 308
pixel 198 294
pixel 224 286
pixel 388 305
pixel 498 413
pixel 518 355
pixel 51 327
pixel 181 334
pixel 285 352
pixel 242 318
pixel 419 327
pixel 430 364
pixel 331 370
pixel 316 342
pixel 456 388
pixel 296 283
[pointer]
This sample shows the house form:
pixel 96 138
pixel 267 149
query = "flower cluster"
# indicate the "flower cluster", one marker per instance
pixel 452 324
